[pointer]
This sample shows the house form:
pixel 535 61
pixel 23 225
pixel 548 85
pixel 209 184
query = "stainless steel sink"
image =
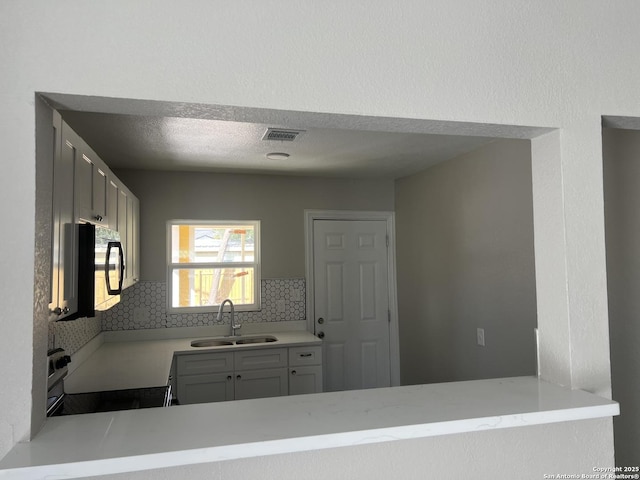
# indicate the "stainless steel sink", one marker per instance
pixel 211 342
pixel 265 339
pixel 228 341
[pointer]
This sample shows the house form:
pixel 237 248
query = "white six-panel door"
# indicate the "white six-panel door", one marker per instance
pixel 352 303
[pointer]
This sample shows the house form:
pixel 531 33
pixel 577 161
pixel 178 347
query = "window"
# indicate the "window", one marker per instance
pixel 209 261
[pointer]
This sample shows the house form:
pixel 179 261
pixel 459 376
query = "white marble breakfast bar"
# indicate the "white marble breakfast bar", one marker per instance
pixel 114 442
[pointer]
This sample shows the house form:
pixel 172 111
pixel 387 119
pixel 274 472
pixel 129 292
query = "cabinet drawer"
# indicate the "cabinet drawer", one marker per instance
pixel 262 358
pixel 305 356
pixel 205 363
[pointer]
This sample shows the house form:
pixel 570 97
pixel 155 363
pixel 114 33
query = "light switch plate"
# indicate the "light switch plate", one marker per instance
pixel 141 315
pixel 480 336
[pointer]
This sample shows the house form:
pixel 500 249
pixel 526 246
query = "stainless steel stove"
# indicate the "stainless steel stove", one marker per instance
pixel 61 403
pixel 57 364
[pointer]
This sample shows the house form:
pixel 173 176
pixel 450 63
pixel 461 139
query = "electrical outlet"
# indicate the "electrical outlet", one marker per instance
pixel 280 305
pixel 480 336
pixel 141 315
pixel 296 294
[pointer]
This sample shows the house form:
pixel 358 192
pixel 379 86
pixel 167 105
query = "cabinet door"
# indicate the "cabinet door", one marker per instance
pixel 127 241
pixel 112 205
pixel 123 197
pixel 128 226
pixel 55 213
pixel 122 213
pixel 83 184
pixel 305 380
pixel 100 184
pixel 268 382
pixel 214 387
pixel 135 227
pixel 64 267
pixel 91 185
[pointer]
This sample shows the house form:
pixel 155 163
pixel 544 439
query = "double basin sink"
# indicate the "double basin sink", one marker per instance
pixel 227 341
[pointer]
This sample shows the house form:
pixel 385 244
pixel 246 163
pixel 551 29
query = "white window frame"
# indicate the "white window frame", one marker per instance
pixel 255 264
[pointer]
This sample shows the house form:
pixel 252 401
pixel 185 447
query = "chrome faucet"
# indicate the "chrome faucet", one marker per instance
pixel 232 323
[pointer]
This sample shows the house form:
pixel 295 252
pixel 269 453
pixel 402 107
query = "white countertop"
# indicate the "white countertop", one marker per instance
pixel 119 365
pixel 113 442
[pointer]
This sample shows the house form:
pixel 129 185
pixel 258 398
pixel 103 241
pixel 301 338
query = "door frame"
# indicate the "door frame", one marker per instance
pixel 389 217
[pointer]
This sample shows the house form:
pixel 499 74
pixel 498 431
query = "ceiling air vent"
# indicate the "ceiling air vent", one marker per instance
pixel 281 135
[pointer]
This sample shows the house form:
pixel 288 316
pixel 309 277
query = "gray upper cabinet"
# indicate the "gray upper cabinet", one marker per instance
pixel 86 190
pixel 123 212
pixel 134 246
pixel 64 243
pixel 112 204
pixel 91 185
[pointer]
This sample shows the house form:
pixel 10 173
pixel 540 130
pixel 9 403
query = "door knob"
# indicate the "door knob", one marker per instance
pixel 321 320
pixel 320 334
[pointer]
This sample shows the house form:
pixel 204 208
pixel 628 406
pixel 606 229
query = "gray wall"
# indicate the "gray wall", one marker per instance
pixel 621 157
pixel 488 62
pixel 466 260
pixel 278 201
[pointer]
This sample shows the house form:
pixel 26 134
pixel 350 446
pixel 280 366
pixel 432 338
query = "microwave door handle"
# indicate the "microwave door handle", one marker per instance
pixel 107 268
pixel 122 267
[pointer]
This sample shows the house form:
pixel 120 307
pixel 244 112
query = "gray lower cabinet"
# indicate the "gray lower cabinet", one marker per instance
pixel 203 388
pixel 305 370
pixel 270 382
pixel 204 377
pixel 305 380
pixel 248 373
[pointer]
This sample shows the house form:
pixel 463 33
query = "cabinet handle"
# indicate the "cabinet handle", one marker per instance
pixel 228 377
pixel 305 355
pixel 238 377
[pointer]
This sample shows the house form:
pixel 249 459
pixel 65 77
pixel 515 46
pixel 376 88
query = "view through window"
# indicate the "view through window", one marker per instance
pixel 210 261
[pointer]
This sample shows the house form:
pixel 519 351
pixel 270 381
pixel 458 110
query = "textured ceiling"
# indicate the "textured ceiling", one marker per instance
pixel 197 144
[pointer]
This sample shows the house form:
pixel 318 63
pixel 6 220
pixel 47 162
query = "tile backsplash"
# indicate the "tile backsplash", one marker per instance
pixel 72 335
pixel 144 305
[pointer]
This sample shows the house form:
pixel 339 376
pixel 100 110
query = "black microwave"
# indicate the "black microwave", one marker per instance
pixel 100 269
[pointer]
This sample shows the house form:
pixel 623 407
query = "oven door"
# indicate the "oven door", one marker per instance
pixel 55 398
pixel 111 401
